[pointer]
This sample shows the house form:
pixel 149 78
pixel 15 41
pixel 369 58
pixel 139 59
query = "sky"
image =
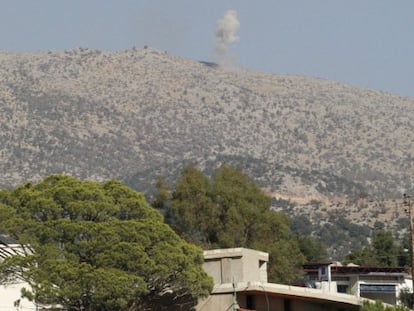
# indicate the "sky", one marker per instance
pixel 367 43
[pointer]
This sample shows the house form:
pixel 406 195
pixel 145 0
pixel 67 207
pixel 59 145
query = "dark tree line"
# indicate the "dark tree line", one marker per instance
pixel 230 210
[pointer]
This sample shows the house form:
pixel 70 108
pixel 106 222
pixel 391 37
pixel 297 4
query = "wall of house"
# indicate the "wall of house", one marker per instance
pixel 254 266
pixel 248 270
pixel 236 265
pixel 354 285
pixel 10 294
pixel 266 303
pixel 216 302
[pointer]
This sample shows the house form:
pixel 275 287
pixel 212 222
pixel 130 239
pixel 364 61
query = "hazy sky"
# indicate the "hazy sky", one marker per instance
pixel 368 43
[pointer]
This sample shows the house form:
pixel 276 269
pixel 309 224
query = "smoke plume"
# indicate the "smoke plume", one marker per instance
pixel 226 34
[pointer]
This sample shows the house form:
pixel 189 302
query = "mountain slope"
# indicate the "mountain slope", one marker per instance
pixel 101 115
pixel 139 114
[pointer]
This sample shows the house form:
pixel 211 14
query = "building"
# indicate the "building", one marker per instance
pixel 377 283
pixel 241 283
pixel 240 277
pixel 10 292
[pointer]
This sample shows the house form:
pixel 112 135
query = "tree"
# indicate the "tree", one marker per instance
pixel 382 251
pixel 195 214
pixel 242 207
pixel 379 306
pixel 162 198
pixel 301 225
pixel 229 210
pixel 163 194
pixel 406 297
pixel 384 247
pixel 313 249
pixel 98 246
pixel 363 257
pixel 404 251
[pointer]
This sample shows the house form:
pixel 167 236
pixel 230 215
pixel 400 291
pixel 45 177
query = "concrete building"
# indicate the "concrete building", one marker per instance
pixel 241 283
pixel 376 283
pixel 10 292
pixel 240 277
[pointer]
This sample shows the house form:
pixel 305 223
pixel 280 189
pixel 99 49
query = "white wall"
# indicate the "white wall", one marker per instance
pixel 11 293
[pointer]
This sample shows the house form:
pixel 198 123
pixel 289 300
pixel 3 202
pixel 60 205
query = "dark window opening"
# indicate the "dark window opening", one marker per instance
pixel 342 288
pixel 286 305
pixel 250 302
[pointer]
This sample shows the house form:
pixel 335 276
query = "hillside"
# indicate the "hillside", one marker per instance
pixel 141 113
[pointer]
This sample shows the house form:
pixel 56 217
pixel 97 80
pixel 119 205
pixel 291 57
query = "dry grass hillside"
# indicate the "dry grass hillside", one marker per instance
pixel 141 113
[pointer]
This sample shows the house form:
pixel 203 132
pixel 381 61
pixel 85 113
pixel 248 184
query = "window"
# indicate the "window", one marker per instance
pixel 342 288
pixel 286 305
pixel 250 302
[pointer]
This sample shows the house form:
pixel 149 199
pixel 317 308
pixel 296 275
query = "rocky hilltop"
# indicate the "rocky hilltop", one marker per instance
pixel 141 113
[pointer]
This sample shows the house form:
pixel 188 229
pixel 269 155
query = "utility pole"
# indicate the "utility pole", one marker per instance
pixel 409 205
pixel 235 304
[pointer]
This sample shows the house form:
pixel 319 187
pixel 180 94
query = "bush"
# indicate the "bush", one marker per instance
pixel 379 306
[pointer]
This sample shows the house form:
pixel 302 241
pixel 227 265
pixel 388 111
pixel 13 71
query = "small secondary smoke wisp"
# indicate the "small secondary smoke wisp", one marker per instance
pixel 226 33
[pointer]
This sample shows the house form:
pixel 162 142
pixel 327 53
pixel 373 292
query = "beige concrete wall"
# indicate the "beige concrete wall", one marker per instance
pixel 11 293
pixel 213 268
pixel 253 266
pixel 353 285
pixel 247 268
pixel 216 302
pixel 236 264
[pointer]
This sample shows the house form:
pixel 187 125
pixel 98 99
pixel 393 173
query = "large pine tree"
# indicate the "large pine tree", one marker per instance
pixel 98 246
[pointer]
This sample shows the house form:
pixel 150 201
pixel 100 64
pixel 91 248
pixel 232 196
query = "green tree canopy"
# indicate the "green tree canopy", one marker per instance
pixel 98 246
pixel 385 248
pixel 313 249
pixel 379 306
pixel 229 210
pixel 383 251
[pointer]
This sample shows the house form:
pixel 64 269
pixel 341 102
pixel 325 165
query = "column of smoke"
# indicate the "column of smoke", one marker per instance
pixel 226 35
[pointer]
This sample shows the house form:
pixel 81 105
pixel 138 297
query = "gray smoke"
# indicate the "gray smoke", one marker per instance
pixel 226 33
